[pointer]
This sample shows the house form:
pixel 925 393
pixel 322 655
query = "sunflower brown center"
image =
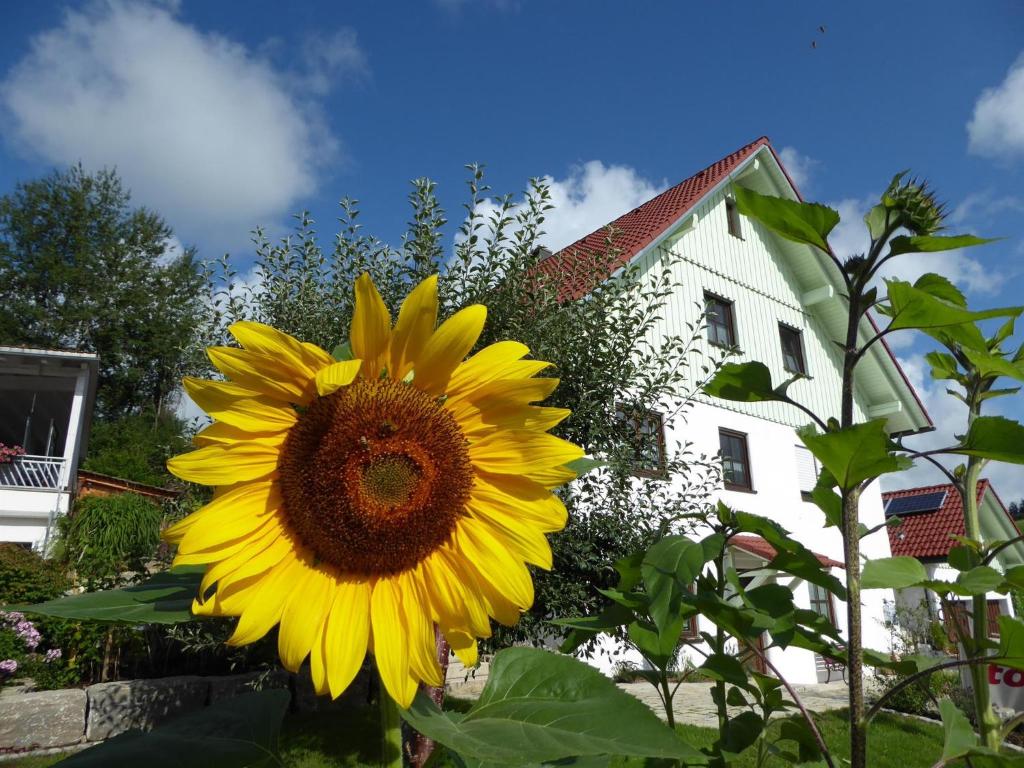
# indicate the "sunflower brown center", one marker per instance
pixel 374 477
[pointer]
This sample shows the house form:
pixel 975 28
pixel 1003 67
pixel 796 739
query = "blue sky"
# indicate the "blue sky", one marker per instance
pixel 223 116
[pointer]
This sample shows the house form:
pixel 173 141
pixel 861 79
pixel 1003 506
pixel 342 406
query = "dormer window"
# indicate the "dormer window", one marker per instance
pixel 732 216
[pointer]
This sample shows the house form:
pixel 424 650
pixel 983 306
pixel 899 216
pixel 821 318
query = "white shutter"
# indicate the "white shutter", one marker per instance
pixel 806 469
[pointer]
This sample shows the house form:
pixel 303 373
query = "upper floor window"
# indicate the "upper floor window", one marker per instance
pixel 807 471
pixel 792 349
pixel 721 327
pixel 732 216
pixel 821 603
pixel 735 460
pixel 648 440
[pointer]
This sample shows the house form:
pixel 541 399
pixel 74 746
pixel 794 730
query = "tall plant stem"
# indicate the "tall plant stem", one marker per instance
pixel 390 730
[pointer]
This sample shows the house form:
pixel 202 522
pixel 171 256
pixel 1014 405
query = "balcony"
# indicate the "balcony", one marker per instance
pixel 33 473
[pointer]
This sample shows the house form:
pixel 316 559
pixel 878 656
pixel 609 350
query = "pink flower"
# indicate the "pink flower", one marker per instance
pixel 8 667
pixel 52 655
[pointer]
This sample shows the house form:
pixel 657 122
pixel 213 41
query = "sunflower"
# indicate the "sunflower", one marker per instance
pixel 361 502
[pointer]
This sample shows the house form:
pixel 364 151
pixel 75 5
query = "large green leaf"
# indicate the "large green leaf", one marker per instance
pixel 808 223
pixel 854 454
pixel 669 568
pixel 892 572
pixel 996 438
pixel 989 365
pixel 585 465
pixel 958 735
pixel 913 307
pixel 934 243
pixel 540 707
pixel 1011 642
pixel 165 598
pixel 743 382
pixel 240 732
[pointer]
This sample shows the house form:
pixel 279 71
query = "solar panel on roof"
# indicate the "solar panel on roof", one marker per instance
pixel 926 502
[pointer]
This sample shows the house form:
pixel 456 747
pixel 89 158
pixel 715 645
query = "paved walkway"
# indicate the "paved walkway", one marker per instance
pixel 692 703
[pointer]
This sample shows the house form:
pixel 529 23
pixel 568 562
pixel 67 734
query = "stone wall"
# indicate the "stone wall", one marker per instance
pixel 73 717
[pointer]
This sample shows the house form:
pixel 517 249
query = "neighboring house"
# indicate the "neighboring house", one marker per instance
pixel 932 517
pixel 46 403
pixel 780 303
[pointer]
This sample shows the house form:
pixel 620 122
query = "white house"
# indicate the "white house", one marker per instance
pixel 46 402
pixel 932 516
pixel 780 303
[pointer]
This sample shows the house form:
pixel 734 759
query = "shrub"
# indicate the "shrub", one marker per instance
pixel 108 535
pixel 919 697
pixel 25 577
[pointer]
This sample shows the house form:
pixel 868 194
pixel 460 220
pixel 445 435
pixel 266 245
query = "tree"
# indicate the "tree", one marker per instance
pixel 80 269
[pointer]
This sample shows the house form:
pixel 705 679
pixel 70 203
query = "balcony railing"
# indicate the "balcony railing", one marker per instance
pixel 42 472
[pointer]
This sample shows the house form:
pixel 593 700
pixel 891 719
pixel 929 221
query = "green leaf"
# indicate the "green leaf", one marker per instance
pixel 1011 642
pixel 540 707
pixel 342 352
pixel 993 366
pixel 584 465
pixel 657 644
pixel 996 438
pixel 797 730
pixel 934 243
pixel 913 307
pixel 962 558
pixel 240 732
pixel 668 568
pixel 164 598
pixel 958 735
pixel 944 366
pixel 741 732
pixel 980 580
pixel 892 572
pixel 808 223
pixel 743 382
pixel 941 288
pixel 854 454
pixel 876 220
pixel 726 668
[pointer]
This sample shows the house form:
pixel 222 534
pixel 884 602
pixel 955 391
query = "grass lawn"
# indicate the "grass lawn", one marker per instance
pixel 348 738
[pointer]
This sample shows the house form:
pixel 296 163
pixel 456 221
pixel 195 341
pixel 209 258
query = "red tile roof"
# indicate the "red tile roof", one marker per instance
pixel 756 545
pixel 640 227
pixel 930 534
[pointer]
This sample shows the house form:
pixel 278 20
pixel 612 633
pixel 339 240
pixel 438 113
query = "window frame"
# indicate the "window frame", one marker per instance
pixel 732 218
pixel 691 630
pixel 636 417
pixel 742 437
pixel 801 357
pixel 728 319
pixel 814 601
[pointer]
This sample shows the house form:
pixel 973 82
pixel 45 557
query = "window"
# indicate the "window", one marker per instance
pixel 792 349
pixel 648 440
pixel 807 471
pixel 691 630
pixel 735 460
pixel 732 216
pixel 821 603
pixel 721 329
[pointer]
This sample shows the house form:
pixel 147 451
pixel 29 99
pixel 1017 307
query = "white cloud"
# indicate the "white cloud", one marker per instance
pixel 330 58
pixel 850 237
pixel 950 417
pixel 798 166
pixel 200 128
pixel 997 127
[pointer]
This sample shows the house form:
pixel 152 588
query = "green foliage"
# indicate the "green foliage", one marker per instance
pixel 241 732
pixel 105 536
pixel 165 598
pixel 854 454
pixel 572 711
pixel 892 573
pixel 743 382
pixel 920 697
pixel 136 447
pixel 80 269
pixel 807 223
pixel 25 577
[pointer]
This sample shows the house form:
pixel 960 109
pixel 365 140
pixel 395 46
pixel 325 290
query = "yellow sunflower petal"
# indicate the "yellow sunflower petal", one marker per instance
pixel 447 347
pixel 248 499
pixel 517 369
pixel 225 464
pixel 520 498
pixel 464 646
pixel 371 328
pixel 336 375
pixel 454 601
pixel 303 618
pixel 480 367
pixel 416 321
pixel 532 417
pixel 207 546
pixel 391 641
pixel 499 395
pixel 521 451
pixel 251 560
pixel 263 609
pixel 239 407
pixel 318 663
pixel 422 643
pixel 551 477
pixel 277 550
pixel 266 340
pixel 490 557
pixel 526 540
pixel 225 434
pixel 262 373
pixel 348 631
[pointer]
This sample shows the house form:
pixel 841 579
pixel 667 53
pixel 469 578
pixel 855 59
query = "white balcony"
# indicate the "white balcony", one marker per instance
pixel 34 473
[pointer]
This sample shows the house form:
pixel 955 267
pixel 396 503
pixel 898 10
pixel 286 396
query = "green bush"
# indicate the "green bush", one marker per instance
pixel 25 577
pixel 136 447
pixel 919 697
pixel 108 535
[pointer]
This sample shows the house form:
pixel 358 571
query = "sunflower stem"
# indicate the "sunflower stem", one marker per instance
pixel 390 730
